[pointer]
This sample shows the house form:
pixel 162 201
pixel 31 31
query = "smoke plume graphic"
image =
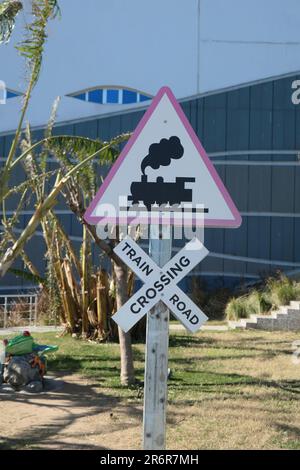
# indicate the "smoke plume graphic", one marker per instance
pixel 161 154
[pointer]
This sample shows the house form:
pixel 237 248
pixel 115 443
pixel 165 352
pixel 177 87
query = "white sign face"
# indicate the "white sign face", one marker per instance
pixel 160 284
pixel 164 165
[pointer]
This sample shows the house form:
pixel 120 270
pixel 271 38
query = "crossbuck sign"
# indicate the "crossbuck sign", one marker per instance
pixel 160 284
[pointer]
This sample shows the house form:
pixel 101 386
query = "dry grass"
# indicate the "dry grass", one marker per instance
pixel 241 391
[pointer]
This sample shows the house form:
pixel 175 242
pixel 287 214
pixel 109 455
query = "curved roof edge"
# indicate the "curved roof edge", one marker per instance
pixel 142 106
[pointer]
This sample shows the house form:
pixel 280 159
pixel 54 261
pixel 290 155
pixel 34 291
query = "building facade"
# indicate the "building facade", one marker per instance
pixel 235 75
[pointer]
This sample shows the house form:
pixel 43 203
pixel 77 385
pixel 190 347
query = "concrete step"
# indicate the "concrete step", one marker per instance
pixel 286 317
pixel 293 311
pixel 247 323
pixel 235 325
pixel 277 312
pixel 266 322
pixel 257 317
pixel 295 304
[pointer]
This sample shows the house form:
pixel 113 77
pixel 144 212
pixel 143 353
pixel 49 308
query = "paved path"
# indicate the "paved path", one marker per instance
pixel 177 327
pixel 32 329
pixel 48 329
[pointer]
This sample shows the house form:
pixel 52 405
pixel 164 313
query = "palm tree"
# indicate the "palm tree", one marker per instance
pixel 75 156
pixel 8 12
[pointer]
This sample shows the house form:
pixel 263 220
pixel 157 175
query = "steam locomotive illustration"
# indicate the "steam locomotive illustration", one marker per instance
pixel 160 192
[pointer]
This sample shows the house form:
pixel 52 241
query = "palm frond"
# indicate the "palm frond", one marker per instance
pixel 32 48
pixel 28 276
pixel 29 183
pixel 8 12
pixel 70 150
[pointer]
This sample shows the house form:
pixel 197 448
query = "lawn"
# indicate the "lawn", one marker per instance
pixel 228 390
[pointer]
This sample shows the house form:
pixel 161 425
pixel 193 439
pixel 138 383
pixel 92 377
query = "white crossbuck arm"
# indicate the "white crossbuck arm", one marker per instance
pixel 160 284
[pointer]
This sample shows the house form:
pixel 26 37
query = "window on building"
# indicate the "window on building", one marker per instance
pixel 95 96
pixel 144 97
pixel 111 95
pixel 129 96
pixel 12 93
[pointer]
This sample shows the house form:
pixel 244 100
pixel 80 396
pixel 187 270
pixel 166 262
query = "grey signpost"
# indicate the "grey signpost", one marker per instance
pixel 157 346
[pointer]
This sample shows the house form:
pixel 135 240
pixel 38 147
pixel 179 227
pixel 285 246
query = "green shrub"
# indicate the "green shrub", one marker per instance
pixel 216 304
pixel 237 308
pixel 257 303
pixel 280 291
pixel 277 291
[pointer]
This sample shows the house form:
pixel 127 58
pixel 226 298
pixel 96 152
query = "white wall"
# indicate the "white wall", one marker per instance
pixel 191 45
pixel 245 40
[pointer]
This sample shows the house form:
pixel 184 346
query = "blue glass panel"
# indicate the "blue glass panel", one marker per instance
pixel 144 98
pixel 11 94
pixel 96 96
pixel 80 97
pixel 129 96
pixel 112 96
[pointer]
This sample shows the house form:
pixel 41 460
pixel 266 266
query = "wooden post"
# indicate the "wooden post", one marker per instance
pixel 35 309
pixel 157 343
pixel 5 312
pixel 30 310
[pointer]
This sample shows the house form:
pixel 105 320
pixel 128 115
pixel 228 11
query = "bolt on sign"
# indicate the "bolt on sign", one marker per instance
pixel 162 178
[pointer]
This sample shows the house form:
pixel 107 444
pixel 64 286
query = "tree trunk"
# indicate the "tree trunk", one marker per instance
pixel 85 281
pixel 127 367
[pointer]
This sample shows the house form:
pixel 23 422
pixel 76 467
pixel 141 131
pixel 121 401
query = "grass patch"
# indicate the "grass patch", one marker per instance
pixel 228 390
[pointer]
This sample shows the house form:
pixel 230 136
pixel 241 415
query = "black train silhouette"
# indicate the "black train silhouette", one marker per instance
pixel 161 192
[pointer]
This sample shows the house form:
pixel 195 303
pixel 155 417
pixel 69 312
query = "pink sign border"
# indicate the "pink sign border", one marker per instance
pixel 233 223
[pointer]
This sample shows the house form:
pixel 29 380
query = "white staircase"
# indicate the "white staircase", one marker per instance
pixel 286 318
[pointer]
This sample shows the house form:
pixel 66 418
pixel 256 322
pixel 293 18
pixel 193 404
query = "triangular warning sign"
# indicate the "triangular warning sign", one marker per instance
pixel 160 167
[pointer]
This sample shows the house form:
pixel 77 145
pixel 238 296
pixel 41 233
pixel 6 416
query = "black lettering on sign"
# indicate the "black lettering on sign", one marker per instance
pixel 141 264
pixel 134 308
pixel 186 313
pixel 194 320
pixel 147 270
pixel 159 286
pixel 126 246
pixel 176 269
pixel 137 260
pixel 142 301
pixel 184 261
pixel 151 293
pixel 182 308
pixel 173 271
pixel 166 281
pixel 174 299
pixel 131 253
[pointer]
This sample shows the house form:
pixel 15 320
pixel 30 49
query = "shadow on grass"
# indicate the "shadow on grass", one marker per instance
pixel 239 344
pixel 291 431
pixel 180 341
pixel 192 360
pixel 210 382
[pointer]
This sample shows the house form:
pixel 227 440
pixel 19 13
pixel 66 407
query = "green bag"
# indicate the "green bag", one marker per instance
pixel 19 345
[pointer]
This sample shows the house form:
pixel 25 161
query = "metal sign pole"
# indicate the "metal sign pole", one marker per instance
pixel 157 343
